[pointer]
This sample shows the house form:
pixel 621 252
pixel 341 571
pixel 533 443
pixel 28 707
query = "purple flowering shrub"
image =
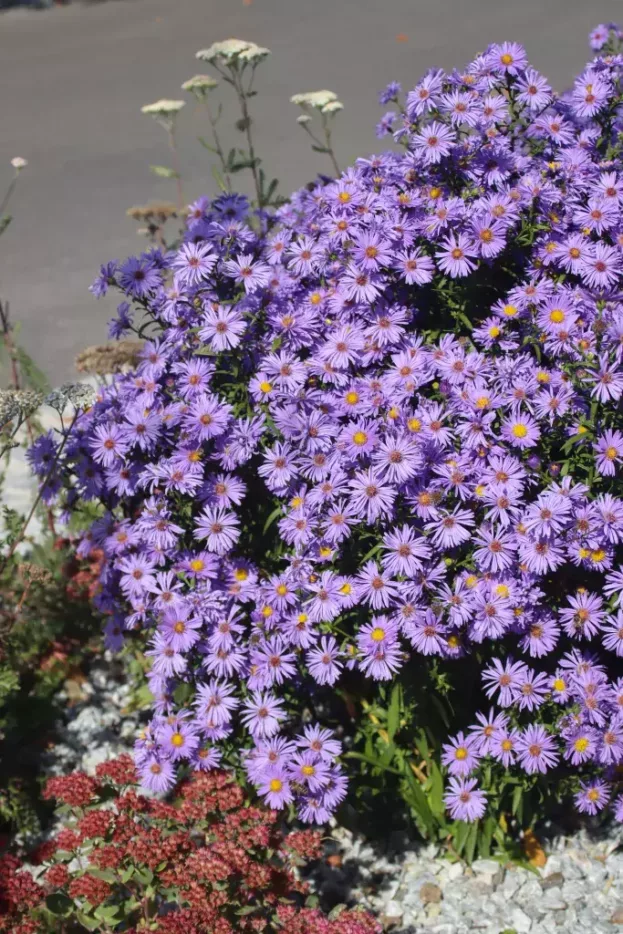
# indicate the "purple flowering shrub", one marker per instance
pixel 365 478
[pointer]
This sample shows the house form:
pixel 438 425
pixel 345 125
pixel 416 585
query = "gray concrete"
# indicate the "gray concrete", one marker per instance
pixel 72 81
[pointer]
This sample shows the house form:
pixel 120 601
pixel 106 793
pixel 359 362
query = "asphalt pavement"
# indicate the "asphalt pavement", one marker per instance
pixel 73 80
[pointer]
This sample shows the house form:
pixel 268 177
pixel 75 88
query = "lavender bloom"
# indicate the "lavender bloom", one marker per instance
pixel 464 799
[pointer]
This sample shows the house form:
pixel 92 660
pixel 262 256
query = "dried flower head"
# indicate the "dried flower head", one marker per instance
pixel 104 359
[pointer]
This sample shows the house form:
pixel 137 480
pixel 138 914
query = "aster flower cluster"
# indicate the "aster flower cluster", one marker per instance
pixel 383 421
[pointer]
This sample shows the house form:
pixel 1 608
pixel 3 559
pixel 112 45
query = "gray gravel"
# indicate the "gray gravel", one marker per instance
pixel 73 80
pixel 580 889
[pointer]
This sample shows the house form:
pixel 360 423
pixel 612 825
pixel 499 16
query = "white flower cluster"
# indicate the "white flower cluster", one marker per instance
pixel 233 52
pixel 325 102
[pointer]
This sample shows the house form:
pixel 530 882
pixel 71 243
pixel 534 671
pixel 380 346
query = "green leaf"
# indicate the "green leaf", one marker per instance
pixel 91 924
pixel 485 837
pixel 106 913
pixel 5 220
pixel 416 798
pixel 9 682
pixel 274 515
pixel 393 712
pixel 517 805
pixel 435 792
pixel 162 171
pixel 58 903
pixel 470 843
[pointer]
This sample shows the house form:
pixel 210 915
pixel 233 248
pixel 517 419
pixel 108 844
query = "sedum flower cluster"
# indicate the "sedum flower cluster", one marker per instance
pixel 383 421
pixel 121 861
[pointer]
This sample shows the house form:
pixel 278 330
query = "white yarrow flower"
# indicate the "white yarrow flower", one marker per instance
pixel 163 108
pixel 332 107
pixel 232 50
pixel 19 163
pixel 199 84
pixel 316 99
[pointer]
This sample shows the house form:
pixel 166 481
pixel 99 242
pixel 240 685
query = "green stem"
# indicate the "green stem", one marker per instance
pixel 246 119
pixel 217 145
pixel 176 168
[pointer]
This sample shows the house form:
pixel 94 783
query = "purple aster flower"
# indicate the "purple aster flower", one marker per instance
pixel 406 550
pixel 508 58
pixel 371 495
pixel 376 587
pixel 138 277
pixel 177 739
pixel 415 267
pixel 253 275
pixel 108 444
pixel 503 677
pixel 433 142
pixel 390 93
pixel 157 774
pixel 275 788
pixel 452 529
pixel 608 452
pixel 536 751
pixel 503 746
pixel 460 755
pixel 427 634
pixel 592 797
pixel 320 741
pixel 193 263
pixel 464 799
pixel 456 256
pixel 309 770
pixel 222 327
pixel 534 91
pixel 263 713
pixel 219 528
pixel 323 661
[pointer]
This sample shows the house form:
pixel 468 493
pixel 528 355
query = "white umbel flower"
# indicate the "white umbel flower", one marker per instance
pixel 231 51
pixel 163 108
pixel 315 99
pixel 200 84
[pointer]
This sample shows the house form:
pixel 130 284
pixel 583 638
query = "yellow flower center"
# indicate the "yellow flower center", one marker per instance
pixel 265 386
pixel 281 590
pixel 377 634
pixel 414 424
pixel 197 564
pixel 352 397
pixel 610 453
pixel 177 740
pixel 308 770
pixel 460 753
pixel 276 784
pixel 506 59
pixel 509 311
pixel 581 744
pixel 241 574
pixel 557 315
pixel 267 611
pixel 359 438
pixel 519 431
pixel 559 685
pixel 494 331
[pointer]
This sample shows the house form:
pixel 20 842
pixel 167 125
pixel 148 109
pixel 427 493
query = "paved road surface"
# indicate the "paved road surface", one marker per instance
pixel 72 81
